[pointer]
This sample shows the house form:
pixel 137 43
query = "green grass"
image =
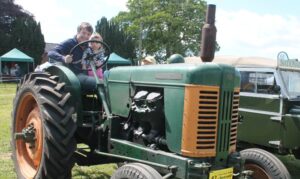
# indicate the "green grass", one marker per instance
pixel 99 171
pixel 292 164
pixel 7 93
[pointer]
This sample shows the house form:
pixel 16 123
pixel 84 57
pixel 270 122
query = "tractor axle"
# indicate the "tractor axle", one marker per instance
pixel 28 135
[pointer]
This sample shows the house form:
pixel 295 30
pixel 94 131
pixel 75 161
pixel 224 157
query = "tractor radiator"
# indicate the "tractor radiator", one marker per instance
pixel 228 121
pixel 200 121
pixel 202 117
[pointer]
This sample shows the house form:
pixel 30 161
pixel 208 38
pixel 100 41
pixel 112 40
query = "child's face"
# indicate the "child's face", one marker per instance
pixel 95 45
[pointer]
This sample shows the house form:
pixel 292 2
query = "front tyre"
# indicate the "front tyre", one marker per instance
pixel 136 171
pixel 42 130
pixel 264 164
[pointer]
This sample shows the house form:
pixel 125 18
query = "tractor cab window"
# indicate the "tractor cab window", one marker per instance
pixel 258 82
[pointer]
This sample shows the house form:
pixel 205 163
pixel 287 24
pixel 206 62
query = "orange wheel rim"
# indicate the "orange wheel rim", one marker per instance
pixel 258 172
pixel 29 156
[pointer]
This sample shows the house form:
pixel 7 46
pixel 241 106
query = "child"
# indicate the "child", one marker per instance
pixel 94 48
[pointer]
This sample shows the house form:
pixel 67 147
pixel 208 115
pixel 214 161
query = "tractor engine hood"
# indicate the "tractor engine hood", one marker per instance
pixel 177 74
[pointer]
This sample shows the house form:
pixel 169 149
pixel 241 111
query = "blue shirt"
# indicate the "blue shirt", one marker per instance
pixel 64 49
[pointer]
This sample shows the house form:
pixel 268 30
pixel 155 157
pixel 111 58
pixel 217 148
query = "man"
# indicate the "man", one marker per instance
pixel 149 60
pixel 175 58
pixel 18 71
pixel 61 54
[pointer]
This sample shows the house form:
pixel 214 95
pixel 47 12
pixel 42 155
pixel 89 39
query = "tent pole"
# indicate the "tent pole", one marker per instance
pixel 0 71
pixel 28 67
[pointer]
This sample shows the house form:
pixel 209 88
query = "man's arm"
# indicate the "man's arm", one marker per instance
pixel 60 51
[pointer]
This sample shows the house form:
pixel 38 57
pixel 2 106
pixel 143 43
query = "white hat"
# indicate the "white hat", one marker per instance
pixel 149 60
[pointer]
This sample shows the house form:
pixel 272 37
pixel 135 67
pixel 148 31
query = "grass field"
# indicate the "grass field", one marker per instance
pixel 7 93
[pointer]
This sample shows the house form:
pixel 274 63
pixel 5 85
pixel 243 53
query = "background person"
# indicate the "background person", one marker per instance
pixel 18 71
pixel 175 58
pixel 149 60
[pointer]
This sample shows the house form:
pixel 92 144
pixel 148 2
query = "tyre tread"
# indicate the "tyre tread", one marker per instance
pixel 59 128
pixel 273 166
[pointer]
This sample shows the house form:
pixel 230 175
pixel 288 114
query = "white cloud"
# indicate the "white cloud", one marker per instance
pixel 246 33
pixel 59 19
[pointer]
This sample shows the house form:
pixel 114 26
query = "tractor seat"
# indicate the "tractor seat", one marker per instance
pixel 88 84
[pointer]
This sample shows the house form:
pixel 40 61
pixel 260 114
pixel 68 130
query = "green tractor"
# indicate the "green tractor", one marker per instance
pixel 156 121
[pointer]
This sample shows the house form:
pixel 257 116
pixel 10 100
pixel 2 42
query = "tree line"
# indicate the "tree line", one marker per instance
pixel 19 29
pixel 156 27
pixel 150 27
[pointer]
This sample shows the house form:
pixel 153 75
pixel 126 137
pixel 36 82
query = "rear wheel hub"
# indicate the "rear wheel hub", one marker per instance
pixel 29 135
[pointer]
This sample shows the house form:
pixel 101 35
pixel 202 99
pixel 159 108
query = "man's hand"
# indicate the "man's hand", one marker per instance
pixel 68 58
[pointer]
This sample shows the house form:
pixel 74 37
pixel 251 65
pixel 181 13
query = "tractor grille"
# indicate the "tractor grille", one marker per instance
pixel 200 123
pixel 225 121
pixel 207 119
pixel 234 120
pixel 228 121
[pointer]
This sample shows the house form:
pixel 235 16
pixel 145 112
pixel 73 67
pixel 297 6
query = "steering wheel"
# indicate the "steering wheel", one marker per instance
pixel 90 56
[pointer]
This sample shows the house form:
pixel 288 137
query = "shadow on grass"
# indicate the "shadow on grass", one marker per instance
pixel 292 164
pixel 93 172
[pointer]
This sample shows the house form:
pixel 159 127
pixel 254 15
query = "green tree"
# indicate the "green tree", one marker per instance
pixel 26 35
pixel 18 29
pixel 164 27
pixel 119 41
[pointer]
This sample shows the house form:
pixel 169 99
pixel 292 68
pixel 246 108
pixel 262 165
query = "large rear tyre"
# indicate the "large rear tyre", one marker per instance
pixel 136 171
pixel 42 130
pixel 264 164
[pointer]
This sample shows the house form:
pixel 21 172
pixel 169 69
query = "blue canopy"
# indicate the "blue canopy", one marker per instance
pixel 115 59
pixel 15 55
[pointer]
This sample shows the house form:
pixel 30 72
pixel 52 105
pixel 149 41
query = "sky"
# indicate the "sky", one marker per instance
pixel 244 27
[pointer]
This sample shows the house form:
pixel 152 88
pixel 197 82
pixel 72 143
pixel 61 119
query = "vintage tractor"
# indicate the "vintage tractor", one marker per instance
pixel 156 121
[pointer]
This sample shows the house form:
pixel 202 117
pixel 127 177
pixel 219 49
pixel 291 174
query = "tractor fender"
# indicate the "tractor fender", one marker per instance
pixel 72 85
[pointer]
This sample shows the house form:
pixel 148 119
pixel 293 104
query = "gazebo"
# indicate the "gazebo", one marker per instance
pixel 16 55
pixel 116 60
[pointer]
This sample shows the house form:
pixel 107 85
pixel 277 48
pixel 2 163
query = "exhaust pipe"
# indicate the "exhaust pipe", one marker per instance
pixel 209 32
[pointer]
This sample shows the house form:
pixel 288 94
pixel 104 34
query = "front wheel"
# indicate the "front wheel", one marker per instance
pixel 43 140
pixel 136 171
pixel 264 164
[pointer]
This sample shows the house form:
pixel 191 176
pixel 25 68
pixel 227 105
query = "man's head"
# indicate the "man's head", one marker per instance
pixel 149 60
pixel 175 58
pixel 84 31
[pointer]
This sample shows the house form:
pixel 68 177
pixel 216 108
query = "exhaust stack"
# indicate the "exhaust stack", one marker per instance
pixel 209 32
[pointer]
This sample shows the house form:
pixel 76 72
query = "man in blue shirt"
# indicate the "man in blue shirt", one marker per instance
pixel 61 54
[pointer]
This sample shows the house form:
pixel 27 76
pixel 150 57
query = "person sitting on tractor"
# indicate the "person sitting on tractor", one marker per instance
pixel 61 55
pixel 94 48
